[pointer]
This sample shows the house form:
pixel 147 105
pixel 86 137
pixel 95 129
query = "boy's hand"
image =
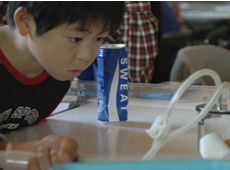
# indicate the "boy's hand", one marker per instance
pixel 49 151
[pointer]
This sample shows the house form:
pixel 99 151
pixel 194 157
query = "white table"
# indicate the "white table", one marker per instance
pixel 127 141
pixel 205 13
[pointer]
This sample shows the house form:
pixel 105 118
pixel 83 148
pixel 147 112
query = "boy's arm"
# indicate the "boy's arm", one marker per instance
pixel 48 151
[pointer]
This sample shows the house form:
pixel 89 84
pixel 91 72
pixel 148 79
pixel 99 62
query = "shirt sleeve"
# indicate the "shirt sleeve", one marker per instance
pixel 139 32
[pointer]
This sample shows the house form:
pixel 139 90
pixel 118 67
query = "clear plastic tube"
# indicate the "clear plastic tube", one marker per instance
pixel 163 139
pixel 14 159
pixel 188 82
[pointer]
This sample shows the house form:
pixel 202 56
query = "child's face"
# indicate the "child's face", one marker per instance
pixel 65 51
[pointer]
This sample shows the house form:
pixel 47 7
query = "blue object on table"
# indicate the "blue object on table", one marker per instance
pixel 159 96
pixel 89 73
pixel 149 165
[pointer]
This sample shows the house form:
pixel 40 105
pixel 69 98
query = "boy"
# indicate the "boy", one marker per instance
pixel 45 45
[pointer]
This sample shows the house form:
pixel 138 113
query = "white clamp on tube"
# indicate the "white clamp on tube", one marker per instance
pixel 162 136
pixel 14 159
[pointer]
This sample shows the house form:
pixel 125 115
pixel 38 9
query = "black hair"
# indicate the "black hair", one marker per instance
pixel 50 14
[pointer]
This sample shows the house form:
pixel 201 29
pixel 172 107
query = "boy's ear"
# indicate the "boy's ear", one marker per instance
pixel 22 21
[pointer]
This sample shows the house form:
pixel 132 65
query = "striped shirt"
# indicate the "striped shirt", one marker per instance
pixel 139 32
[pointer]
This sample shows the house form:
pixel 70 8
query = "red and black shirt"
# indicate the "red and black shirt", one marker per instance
pixel 25 101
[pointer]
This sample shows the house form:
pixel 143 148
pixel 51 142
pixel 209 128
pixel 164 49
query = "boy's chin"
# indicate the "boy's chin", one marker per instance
pixel 62 78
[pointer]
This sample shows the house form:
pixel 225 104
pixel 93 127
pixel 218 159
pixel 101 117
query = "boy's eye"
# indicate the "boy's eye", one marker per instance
pixel 73 39
pixel 100 39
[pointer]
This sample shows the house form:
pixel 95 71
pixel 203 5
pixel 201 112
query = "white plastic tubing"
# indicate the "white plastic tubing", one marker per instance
pixel 159 130
pixel 14 159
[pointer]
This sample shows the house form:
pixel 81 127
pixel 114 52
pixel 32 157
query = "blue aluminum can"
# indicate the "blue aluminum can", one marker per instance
pixel 112 83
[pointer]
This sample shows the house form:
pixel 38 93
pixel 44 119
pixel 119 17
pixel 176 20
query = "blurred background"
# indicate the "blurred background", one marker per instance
pixel 181 37
pixel 193 23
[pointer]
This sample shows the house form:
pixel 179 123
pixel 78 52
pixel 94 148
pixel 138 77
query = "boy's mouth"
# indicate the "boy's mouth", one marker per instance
pixel 74 73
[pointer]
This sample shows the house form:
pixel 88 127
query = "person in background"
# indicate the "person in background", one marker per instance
pixel 169 18
pixel 45 46
pixel 138 32
pixel 175 6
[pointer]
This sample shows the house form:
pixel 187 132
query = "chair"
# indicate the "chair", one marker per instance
pixel 219 36
pixel 193 58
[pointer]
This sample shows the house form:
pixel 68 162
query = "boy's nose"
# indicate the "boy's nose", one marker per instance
pixel 84 54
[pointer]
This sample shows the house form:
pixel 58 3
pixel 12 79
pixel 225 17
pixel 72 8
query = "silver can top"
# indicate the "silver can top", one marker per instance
pixel 113 46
